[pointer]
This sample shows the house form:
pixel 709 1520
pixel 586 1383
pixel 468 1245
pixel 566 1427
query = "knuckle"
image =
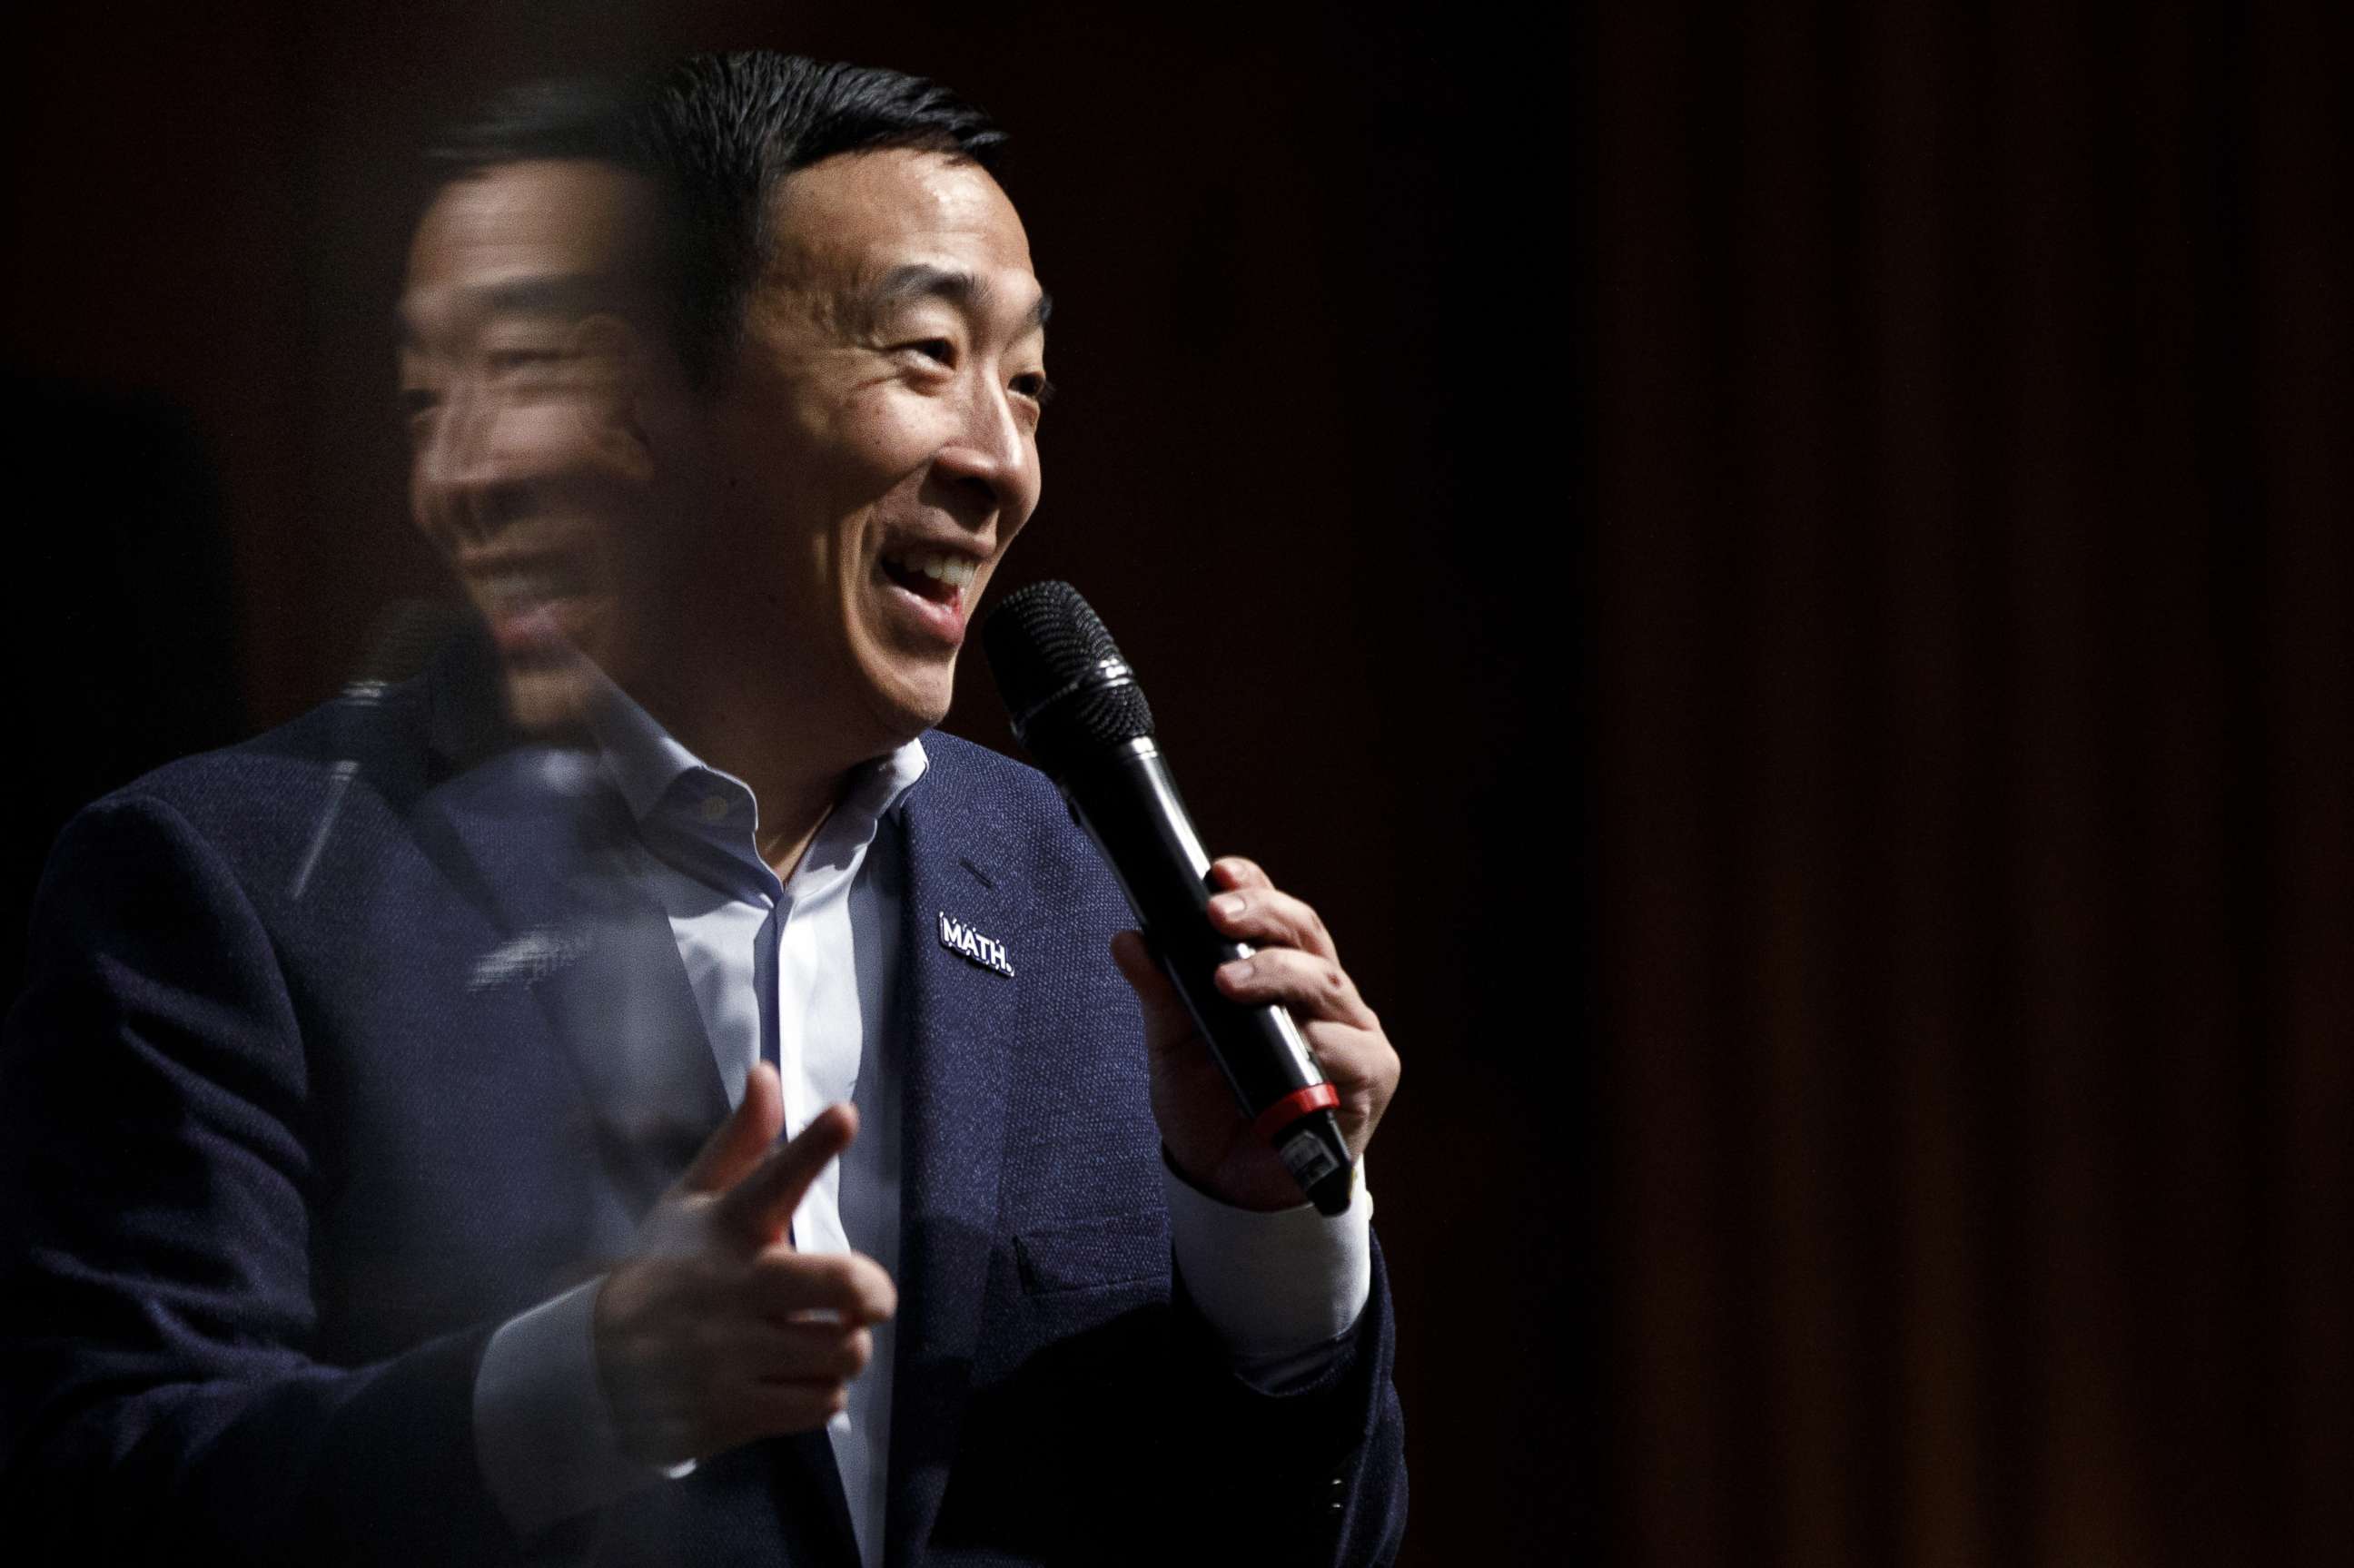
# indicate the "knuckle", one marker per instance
pixel 872 1286
pixel 839 1274
pixel 780 1265
pixel 707 1347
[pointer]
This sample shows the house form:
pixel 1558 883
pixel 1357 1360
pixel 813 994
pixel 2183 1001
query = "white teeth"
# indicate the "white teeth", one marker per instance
pixel 954 570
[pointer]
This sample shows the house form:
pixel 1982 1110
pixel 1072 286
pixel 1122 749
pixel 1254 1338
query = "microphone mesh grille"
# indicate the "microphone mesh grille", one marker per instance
pixel 1044 642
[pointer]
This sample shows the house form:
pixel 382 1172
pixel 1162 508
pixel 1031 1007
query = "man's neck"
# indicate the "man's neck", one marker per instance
pixel 790 815
pixel 796 777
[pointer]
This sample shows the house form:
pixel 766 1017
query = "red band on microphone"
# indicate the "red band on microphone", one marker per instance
pixel 1291 1108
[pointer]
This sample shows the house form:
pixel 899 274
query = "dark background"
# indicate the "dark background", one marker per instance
pixel 1975 781
pixel 1321 329
pixel 1777 570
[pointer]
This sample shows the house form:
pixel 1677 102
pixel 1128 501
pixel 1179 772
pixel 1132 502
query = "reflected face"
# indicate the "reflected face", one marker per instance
pixel 877 434
pixel 523 473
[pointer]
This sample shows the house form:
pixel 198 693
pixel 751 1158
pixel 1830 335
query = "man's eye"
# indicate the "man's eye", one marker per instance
pixel 506 361
pixel 1034 387
pixel 938 350
pixel 418 404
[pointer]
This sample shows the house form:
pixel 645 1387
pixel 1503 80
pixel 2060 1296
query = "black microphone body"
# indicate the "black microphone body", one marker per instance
pixel 1076 709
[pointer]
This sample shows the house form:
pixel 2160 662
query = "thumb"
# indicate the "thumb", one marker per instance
pixel 731 1152
pixel 761 1205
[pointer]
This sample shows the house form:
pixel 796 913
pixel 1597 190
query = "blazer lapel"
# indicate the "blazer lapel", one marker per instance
pixel 540 841
pixel 957 1015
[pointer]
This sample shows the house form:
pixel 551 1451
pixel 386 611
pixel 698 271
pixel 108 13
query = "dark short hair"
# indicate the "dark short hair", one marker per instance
pixel 596 120
pixel 724 131
pixel 591 118
pixel 716 134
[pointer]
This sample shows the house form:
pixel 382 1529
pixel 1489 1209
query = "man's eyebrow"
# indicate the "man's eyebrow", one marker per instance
pixel 565 296
pixel 920 279
pixel 568 294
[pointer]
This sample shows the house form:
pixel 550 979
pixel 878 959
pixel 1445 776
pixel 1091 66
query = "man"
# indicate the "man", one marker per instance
pixel 392 1124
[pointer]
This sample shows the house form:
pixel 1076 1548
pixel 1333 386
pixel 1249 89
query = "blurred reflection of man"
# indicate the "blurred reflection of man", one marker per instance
pixel 399 1225
pixel 530 279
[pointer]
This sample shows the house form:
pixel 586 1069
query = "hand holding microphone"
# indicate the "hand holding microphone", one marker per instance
pixel 1268 1070
pixel 1294 968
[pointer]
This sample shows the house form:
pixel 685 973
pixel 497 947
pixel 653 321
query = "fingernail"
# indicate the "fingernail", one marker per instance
pixel 1241 970
pixel 1227 904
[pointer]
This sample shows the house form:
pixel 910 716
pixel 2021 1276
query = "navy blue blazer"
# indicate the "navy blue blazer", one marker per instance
pixel 290 1122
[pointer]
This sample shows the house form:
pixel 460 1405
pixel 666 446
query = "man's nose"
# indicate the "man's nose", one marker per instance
pixel 460 477
pixel 444 453
pixel 992 454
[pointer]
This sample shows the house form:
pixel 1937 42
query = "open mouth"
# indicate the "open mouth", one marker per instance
pixel 939 578
pixel 530 604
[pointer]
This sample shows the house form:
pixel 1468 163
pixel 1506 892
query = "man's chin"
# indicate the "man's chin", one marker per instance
pixel 548 702
pixel 904 709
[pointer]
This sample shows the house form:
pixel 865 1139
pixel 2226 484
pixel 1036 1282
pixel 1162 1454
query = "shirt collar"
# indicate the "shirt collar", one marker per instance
pixel 645 762
pixel 639 755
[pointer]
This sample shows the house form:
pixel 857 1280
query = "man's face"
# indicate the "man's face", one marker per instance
pixel 874 436
pixel 523 471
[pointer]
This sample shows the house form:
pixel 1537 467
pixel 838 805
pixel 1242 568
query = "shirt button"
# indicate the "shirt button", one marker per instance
pixel 714 807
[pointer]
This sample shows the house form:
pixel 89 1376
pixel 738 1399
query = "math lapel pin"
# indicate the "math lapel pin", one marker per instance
pixel 967 943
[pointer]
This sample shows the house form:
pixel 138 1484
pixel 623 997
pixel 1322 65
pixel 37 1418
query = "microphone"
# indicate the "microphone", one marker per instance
pixel 1077 708
pixel 400 642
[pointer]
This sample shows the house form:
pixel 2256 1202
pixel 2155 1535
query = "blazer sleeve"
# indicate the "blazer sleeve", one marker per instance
pixel 159 1186
pixel 1135 1442
pixel 1313 1475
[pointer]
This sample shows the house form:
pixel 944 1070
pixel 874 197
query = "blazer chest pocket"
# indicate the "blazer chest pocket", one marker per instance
pixel 1123 1249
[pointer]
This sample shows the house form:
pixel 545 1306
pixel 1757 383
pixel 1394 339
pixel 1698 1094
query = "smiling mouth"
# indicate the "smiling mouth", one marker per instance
pixel 940 578
pixel 529 601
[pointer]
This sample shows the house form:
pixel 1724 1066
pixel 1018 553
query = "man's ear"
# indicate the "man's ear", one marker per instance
pixel 623 377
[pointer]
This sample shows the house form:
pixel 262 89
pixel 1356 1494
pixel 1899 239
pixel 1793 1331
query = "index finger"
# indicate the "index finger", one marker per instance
pixel 1270 916
pixel 760 1206
pixel 1235 873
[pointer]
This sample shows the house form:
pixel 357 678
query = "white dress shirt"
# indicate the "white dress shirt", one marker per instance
pixel 799 971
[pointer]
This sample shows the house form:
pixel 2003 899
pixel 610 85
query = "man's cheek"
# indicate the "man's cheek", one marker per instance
pixel 541 435
pixel 428 505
